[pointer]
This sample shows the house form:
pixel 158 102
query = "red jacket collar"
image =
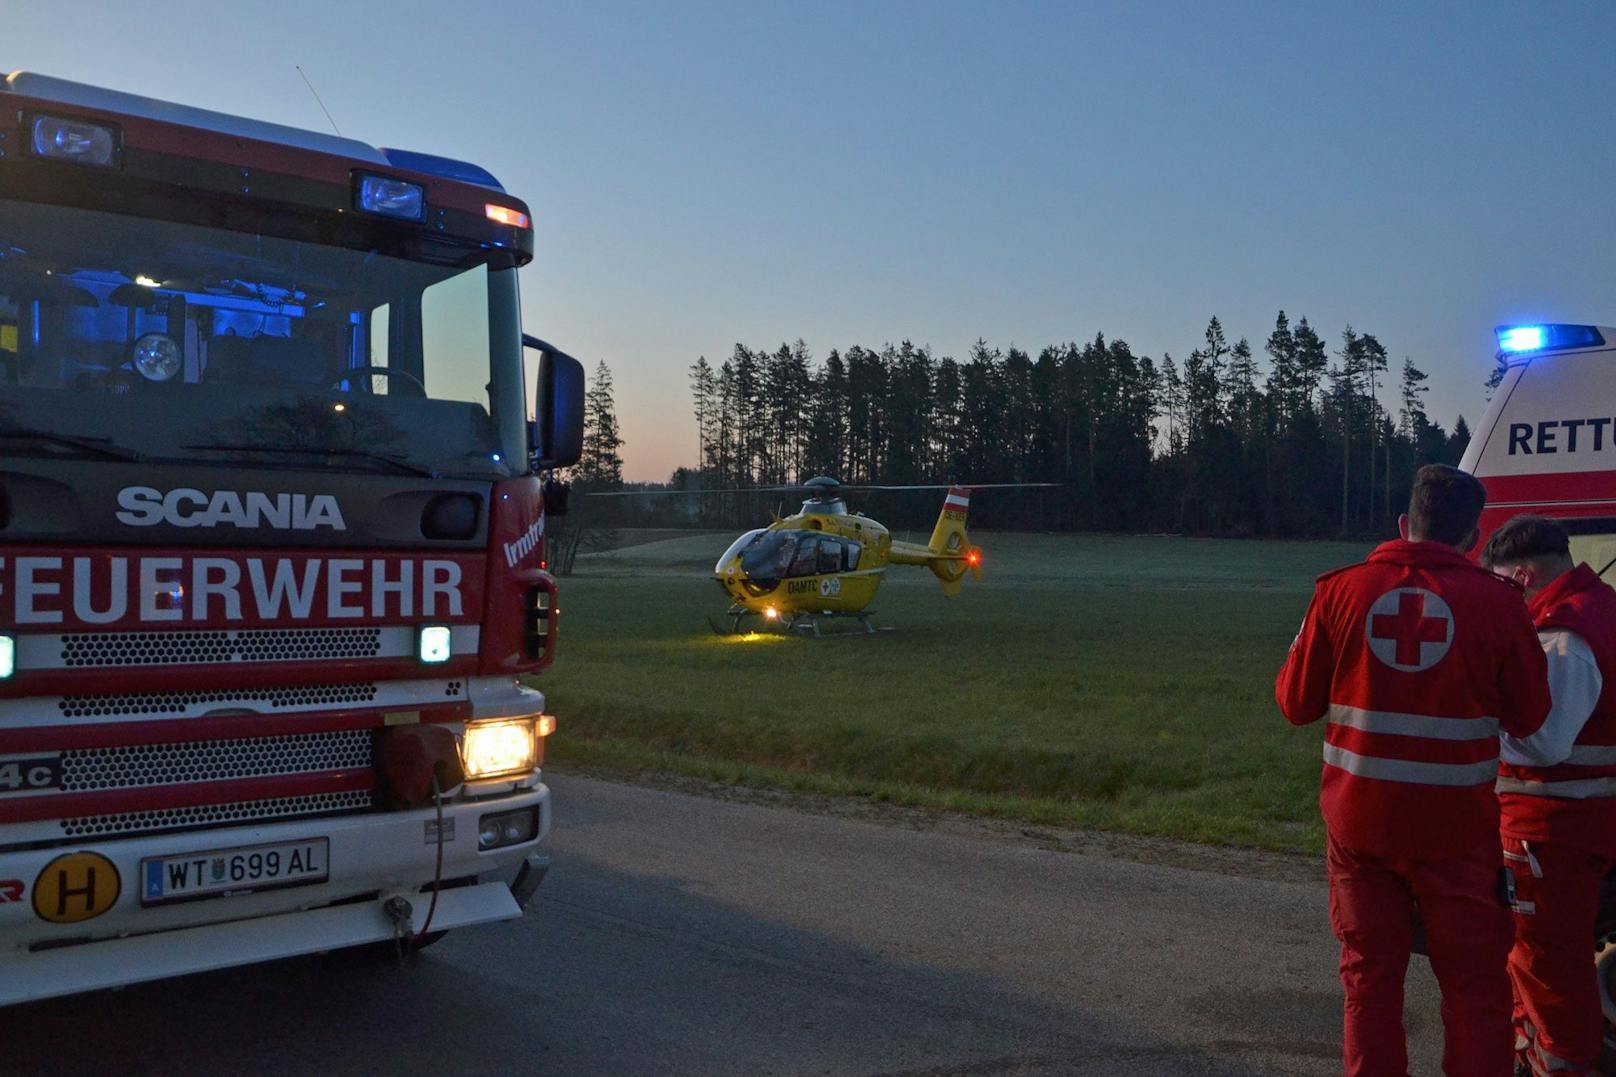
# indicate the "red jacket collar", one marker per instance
pixel 1581 578
pixel 1403 552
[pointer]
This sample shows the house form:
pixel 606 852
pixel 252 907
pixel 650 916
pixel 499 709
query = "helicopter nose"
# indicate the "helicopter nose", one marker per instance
pixel 732 581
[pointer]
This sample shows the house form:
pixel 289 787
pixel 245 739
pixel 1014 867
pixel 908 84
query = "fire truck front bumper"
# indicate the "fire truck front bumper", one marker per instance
pixel 375 874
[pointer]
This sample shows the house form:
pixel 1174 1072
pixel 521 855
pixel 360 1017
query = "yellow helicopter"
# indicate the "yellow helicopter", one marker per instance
pixel 824 561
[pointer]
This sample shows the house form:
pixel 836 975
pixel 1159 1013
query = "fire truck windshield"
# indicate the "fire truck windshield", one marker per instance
pixel 125 337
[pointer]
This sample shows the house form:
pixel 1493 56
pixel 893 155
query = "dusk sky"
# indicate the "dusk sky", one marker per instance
pixel 705 173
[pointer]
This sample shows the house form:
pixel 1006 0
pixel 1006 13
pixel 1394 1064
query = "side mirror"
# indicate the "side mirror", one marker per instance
pixel 555 497
pixel 558 410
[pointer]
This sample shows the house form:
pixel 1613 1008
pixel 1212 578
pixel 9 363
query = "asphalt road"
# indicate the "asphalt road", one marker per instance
pixel 682 934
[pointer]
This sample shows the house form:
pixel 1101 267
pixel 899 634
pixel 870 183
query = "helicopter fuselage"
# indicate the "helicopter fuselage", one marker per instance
pixel 810 562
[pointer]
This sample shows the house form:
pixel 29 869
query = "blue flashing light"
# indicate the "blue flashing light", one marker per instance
pixel 389 197
pixel 446 167
pixel 1521 338
pixel 1517 339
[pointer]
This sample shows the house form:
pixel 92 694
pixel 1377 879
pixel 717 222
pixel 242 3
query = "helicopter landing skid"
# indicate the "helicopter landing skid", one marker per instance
pixel 808 623
pixel 803 622
pixel 737 616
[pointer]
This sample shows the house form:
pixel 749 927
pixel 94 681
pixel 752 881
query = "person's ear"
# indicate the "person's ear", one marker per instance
pixel 1470 540
pixel 1402 526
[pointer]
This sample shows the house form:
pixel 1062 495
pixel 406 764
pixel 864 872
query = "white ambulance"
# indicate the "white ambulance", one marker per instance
pixel 1547 443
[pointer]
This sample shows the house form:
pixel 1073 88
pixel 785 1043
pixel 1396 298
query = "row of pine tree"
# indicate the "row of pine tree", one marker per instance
pixel 1305 440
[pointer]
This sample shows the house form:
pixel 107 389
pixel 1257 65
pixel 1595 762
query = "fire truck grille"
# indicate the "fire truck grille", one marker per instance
pixel 89 769
pixel 213 814
pixel 94 649
pixel 319 695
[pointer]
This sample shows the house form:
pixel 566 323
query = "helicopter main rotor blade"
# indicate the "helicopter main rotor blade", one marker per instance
pixel 958 486
pixel 806 490
pixel 690 493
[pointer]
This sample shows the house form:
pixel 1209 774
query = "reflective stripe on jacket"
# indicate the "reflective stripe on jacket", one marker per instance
pixel 1573 802
pixel 1419 659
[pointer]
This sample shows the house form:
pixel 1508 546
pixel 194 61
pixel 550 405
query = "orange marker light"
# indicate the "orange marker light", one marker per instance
pixel 506 215
pixel 545 725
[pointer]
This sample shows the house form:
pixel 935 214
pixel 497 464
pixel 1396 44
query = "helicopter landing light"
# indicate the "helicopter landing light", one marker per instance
pixel 772 614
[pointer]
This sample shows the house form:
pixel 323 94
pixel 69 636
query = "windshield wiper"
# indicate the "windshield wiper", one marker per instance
pixel 314 450
pixel 102 447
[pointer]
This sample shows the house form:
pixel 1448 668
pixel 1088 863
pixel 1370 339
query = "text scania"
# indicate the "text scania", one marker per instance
pixel 143 506
pixel 44 590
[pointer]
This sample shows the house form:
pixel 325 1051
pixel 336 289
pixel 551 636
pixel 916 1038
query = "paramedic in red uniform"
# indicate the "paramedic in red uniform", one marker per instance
pixel 1419 659
pixel 1557 789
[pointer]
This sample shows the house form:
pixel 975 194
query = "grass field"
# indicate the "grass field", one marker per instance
pixel 1115 682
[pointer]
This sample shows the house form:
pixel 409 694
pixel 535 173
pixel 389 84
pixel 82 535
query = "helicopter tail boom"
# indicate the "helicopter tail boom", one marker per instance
pixel 949 553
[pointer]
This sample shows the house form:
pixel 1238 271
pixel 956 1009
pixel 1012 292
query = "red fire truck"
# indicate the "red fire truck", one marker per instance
pixel 271 543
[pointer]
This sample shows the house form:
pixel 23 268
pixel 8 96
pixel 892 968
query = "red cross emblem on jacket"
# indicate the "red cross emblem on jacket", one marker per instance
pixel 1409 628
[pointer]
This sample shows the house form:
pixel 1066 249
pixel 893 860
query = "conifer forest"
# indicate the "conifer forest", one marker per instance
pixel 1301 436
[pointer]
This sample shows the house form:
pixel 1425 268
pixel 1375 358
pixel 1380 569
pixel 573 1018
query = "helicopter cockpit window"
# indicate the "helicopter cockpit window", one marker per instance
pixel 770 556
pixel 830 555
pixel 806 562
pixel 850 556
pixel 736 547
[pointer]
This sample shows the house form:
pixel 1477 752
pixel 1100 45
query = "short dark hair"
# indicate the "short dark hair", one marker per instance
pixel 1445 504
pixel 1526 538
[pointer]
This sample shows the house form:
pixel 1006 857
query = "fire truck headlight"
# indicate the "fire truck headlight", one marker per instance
pixel 432 644
pixel 390 197
pixel 78 141
pixel 492 749
pixel 8 656
pixel 157 357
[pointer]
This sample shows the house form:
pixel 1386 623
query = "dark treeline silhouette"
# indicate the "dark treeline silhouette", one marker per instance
pixel 1302 440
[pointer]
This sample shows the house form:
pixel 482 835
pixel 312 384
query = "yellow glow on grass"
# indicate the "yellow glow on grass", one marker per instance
pixel 754 637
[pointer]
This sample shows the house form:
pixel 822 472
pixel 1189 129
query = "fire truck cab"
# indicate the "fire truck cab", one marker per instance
pixel 1547 445
pixel 271 542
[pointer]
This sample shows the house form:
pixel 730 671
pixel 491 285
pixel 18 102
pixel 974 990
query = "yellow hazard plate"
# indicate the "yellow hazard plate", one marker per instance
pixel 78 886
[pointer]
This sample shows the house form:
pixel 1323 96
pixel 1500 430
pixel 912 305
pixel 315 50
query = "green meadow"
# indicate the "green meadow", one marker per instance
pixel 1115 682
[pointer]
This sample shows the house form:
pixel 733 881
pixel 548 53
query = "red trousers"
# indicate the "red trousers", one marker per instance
pixel 1558 1020
pixel 1467 931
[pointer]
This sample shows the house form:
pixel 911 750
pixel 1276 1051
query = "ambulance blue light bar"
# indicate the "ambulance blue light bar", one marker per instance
pixel 1517 339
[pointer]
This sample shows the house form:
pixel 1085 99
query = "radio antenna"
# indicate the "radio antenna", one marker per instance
pixel 317 100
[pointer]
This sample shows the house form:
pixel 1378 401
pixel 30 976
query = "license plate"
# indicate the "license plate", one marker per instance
pixel 242 870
